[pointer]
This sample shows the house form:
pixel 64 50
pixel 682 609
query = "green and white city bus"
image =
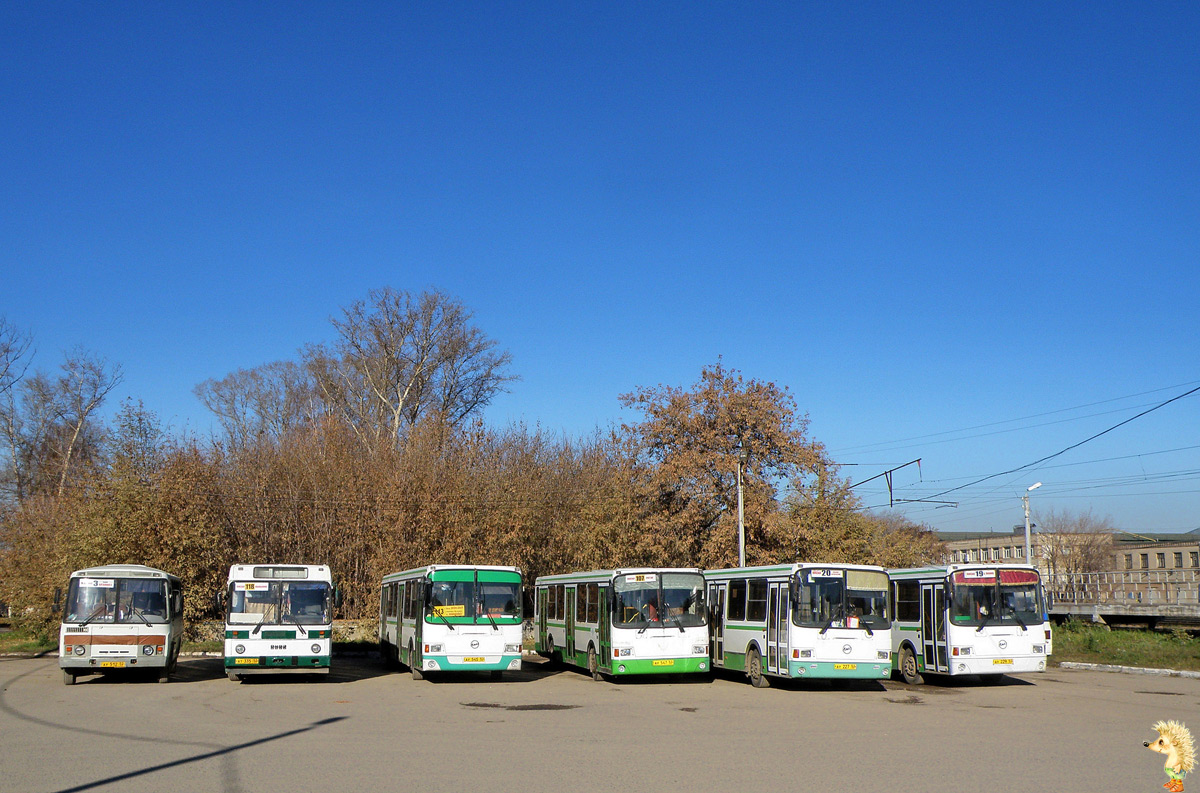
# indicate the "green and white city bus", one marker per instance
pixel 632 621
pixel 120 617
pixel 968 619
pixel 278 619
pixel 441 618
pixel 800 621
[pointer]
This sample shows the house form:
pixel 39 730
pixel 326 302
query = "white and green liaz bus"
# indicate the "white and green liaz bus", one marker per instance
pixel 800 621
pixel 278 619
pixel 120 617
pixel 443 618
pixel 968 619
pixel 632 621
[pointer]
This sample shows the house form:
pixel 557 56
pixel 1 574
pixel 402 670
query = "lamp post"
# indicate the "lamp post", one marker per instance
pixel 742 458
pixel 1025 499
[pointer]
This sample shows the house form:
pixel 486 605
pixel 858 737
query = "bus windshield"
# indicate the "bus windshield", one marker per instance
pixel 121 600
pixel 279 602
pixel 995 597
pixel 658 600
pixel 839 598
pixel 481 601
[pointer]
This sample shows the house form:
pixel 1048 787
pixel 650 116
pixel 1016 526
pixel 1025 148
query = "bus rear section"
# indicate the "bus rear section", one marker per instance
pixel 452 618
pixel 278 620
pixel 986 620
pixel 800 621
pixel 636 621
pixel 120 618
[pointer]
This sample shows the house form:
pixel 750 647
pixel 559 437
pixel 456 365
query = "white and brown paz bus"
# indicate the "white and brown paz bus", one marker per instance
pixel 120 618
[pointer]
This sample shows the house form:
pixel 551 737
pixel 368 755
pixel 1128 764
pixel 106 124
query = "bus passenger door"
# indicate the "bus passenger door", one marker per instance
pixel 933 627
pixel 570 606
pixel 777 606
pixel 543 596
pixel 604 617
pixel 716 623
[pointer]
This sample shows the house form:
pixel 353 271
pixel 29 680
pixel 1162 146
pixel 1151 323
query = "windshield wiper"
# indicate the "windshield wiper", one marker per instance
pixel 296 622
pixel 442 617
pixel 263 621
pixel 137 612
pixel 678 624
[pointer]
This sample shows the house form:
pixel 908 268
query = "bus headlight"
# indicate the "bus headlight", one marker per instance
pixel 316 648
pixel 147 649
pixel 806 653
pixel 622 652
pixel 80 649
pixel 433 648
pixel 512 648
pixel 1039 648
pixel 240 649
pixel 699 649
pixel 960 651
pixel 882 655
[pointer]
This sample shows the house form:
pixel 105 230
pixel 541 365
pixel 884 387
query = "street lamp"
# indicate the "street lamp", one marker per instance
pixel 1025 498
pixel 742 458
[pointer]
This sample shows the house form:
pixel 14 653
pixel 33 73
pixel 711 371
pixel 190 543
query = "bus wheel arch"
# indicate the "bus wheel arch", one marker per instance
pixel 754 667
pixel 906 663
pixel 593 662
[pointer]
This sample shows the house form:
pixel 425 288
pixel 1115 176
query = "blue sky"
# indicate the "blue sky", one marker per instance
pixel 919 220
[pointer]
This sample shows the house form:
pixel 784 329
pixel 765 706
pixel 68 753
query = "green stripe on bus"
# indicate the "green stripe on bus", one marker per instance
pixel 500 576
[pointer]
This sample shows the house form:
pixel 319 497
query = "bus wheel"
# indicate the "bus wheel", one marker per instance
pixel 235 677
pixel 908 667
pixel 594 665
pixel 68 677
pixel 754 669
pixel 414 665
pixel 164 675
pixel 552 661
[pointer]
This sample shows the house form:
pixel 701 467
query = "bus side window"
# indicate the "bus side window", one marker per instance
pixel 736 605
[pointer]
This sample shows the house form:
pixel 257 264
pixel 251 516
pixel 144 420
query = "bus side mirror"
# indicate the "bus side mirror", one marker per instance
pixel 219 601
pixel 57 601
pixel 337 598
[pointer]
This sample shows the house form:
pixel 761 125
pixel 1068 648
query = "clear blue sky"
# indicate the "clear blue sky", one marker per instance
pixel 919 220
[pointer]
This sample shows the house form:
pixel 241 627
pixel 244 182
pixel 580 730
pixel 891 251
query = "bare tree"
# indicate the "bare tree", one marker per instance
pixel 15 353
pixel 268 400
pixel 398 358
pixel 85 383
pixel 1075 542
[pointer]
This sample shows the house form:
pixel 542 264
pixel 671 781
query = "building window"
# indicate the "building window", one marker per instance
pixel 1128 561
pixel 1020 552
pixel 1008 553
pixel 1145 561
pixel 1178 560
pixel 1195 558
pixel 955 557
pixel 1161 558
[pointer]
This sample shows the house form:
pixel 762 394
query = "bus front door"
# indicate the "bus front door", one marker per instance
pixel 777 629
pixel 543 596
pixel 933 627
pixel 570 606
pixel 604 617
pixel 716 623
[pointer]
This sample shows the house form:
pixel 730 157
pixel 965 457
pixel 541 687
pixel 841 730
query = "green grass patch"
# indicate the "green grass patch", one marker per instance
pixel 26 640
pixel 1096 644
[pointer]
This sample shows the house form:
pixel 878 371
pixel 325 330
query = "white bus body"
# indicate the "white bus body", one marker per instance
pixel 120 617
pixel 278 618
pixel 632 621
pixel 800 621
pixel 440 618
pixel 968 619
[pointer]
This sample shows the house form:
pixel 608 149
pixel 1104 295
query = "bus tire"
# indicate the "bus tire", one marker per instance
pixel 413 665
pixel 754 669
pixel 235 677
pixel 908 667
pixel 552 660
pixel 164 675
pixel 594 664
pixel 68 677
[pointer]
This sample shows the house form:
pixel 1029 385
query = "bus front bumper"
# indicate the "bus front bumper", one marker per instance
pixel 854 670
pixel 659 666
pixel 271 664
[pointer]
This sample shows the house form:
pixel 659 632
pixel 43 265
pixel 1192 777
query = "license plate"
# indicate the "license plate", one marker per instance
pixel 113 664
pixel 665 662
pixel 472 660
pixel 245 661
pixel 845 666
pixel 999 661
